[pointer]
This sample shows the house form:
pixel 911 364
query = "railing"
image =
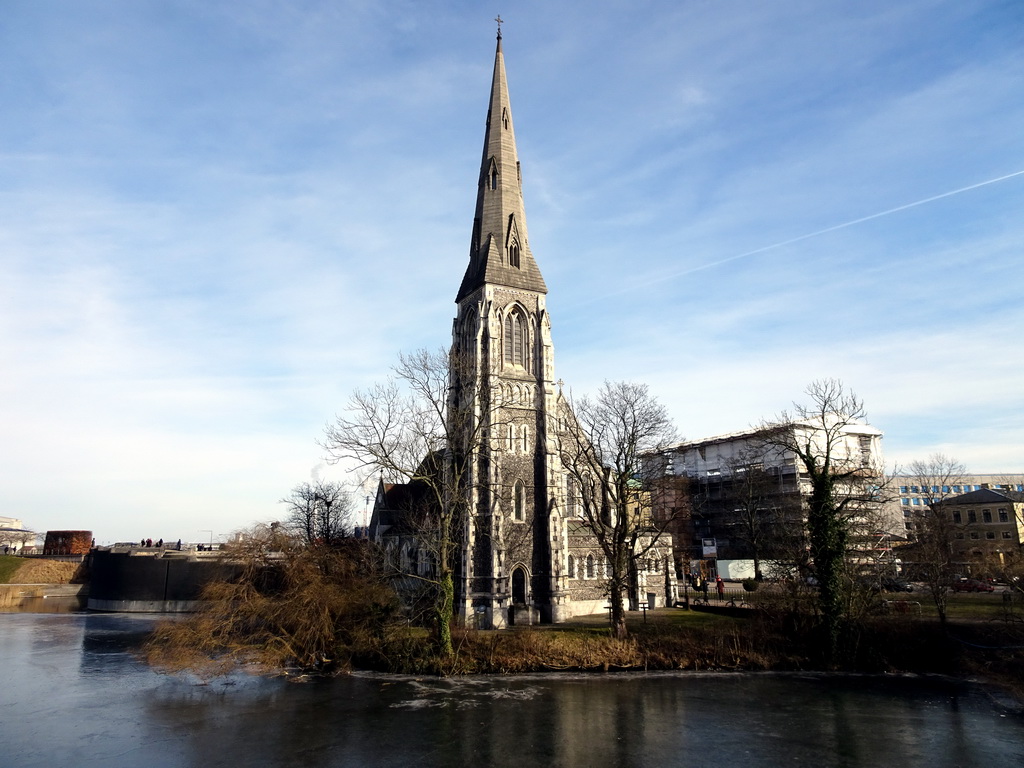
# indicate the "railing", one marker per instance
pixel 902 606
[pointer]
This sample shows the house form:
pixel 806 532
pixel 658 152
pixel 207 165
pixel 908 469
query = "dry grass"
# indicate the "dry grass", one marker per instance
pixel 672 640
pixel 37 571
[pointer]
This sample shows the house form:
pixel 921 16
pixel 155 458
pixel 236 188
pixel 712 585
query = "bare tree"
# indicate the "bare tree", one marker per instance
pixel 605 449
pixel 933 526
pixel 844 488
pixel 320 513
pixel 421 427
pixel 15 537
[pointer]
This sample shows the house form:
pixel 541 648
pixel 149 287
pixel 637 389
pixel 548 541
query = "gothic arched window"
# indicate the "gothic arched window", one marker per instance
pixel 515 338
pixel 513 253
pixel 572 567
pixel 590 566
pixel 572 507
pixel 524 438
pixel 588 493
pixel 519 501
pixel 468 328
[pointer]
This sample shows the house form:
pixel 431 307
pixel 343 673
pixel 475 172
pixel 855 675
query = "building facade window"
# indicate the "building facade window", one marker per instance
pixel 590 566
pixel 1003 516
pixel 1007 535
pixel 958 517
pixel 986 515
pixel 519 501
pixel 972 516
pixel 572 497
pixel 572 566
pixel 515 339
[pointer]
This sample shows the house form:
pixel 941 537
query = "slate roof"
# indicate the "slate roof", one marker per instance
pixel 986 496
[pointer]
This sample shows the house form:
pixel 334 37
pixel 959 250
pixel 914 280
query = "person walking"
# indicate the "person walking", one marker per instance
pixel 720 585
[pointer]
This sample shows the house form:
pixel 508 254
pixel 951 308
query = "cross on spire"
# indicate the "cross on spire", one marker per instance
pixel 500 22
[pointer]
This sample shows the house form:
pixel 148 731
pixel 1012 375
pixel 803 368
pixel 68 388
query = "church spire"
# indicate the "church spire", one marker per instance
pixel 499 252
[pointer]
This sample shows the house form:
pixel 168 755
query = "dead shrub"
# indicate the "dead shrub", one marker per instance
pixel 313 608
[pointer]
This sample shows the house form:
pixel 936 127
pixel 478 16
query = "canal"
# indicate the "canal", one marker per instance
pixel 73 693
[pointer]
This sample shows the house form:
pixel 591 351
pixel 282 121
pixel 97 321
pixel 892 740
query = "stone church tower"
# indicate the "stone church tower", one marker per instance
pixel 514 540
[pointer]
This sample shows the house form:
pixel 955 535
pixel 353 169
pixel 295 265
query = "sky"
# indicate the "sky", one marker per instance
pixel 218 219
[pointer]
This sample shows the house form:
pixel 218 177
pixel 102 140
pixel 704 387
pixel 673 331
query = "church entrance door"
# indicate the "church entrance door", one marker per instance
pixel 519 586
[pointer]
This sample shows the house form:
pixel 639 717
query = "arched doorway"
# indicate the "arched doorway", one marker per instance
pixel 519 586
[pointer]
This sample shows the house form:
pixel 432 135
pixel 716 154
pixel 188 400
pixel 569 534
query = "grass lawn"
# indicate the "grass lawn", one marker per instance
pixel 984 606
pixel 658 619
pixel 8 565
pixel 969 606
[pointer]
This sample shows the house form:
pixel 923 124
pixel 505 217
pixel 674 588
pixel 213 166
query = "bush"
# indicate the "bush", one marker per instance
pixel 750 585
pixel 293 606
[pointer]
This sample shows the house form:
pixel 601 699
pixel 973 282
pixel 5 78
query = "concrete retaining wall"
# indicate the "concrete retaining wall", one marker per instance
pixel 144 582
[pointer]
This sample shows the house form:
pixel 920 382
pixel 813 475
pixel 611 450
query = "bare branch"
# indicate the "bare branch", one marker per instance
pixel 606 447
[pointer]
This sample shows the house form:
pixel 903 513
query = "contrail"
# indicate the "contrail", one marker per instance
pixel 671 275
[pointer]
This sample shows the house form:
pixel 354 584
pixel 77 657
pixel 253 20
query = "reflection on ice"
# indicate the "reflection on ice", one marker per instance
pixel 75 693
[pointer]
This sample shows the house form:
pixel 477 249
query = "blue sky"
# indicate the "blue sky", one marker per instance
pixel 217 219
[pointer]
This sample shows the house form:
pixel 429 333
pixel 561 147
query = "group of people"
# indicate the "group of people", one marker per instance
pixel 700 584
pixel 9 550
pixel 159 544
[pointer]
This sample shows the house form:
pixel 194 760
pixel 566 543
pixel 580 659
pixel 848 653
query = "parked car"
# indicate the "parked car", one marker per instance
pixel 896 585
pixel 972 585
pixel 884 584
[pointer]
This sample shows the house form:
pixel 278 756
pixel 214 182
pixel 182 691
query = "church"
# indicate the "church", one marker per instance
pixel 526 555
